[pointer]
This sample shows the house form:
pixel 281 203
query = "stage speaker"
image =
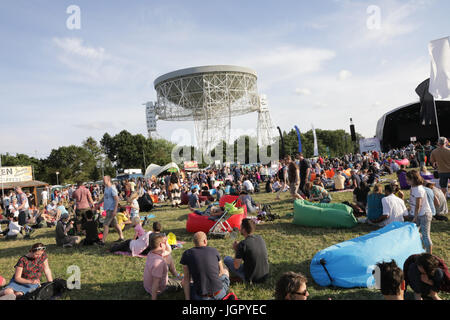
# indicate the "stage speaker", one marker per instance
pixel 352 131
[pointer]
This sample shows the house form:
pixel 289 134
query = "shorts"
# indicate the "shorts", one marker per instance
pixel 23 217
pixel 24 288
pixel 1 281
pixel 443 180
pixel 80 215
pixel 110 218
pixel 219 296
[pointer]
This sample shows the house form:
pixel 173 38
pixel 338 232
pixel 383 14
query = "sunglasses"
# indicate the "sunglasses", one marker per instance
pixel 300 293
pixel 38 249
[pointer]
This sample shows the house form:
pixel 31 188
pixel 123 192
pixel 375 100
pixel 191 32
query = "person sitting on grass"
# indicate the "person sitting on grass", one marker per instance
pixel 62 228
pixel 251 262
pixel 317 193
pixel 441 204
pixel 203 265
pixel 396 190
pixel 360 195
pixel 194 202
pixel 13 228
pixel 136 223
pixel 134 211
pixel 10 296
pixel 247 200
pixel 425 277
pixel 156 272
pixel 90 229
pixel 60 210
pixel 339 181
pixel 28 272
pixel 392 281
pixel 374 204
pixel 52 210
pixel 123 219
pixel 291 286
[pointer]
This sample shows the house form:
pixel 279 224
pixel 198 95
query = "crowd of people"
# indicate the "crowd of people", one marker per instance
pixel 77 212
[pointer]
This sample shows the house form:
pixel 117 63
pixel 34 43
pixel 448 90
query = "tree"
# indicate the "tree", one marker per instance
pixel 73 164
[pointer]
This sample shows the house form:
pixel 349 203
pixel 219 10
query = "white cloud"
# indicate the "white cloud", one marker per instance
pixel 303 91
pixel 88 64
pixel 344 75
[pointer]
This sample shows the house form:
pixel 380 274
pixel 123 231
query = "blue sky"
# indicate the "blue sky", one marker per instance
pixel 317 62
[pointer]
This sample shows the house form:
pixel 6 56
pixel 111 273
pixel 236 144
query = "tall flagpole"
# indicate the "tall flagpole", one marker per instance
pixel 3 191
pixel 437 123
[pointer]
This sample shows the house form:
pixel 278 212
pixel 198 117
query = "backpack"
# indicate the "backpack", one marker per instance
pixel 445 286
pixel 230 296
pixel 47 291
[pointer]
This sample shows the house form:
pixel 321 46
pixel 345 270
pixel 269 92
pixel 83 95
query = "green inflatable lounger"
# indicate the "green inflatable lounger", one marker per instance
pixel 327 215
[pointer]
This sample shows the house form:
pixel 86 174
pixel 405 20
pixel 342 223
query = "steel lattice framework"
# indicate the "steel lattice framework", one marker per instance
pixel 211 96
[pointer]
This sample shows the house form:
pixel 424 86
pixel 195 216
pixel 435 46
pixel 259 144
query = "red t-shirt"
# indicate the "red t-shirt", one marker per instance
pixel 32 268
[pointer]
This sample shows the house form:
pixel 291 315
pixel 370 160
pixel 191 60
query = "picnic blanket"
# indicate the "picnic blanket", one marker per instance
pixel 124 253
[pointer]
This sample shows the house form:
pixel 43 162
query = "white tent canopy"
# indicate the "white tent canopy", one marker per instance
pixel 155 170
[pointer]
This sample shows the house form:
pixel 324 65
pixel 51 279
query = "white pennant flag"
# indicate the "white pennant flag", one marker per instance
pixel 316 147
pixel 440 68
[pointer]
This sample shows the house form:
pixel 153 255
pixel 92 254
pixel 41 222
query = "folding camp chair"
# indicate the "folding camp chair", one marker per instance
pixel 222 228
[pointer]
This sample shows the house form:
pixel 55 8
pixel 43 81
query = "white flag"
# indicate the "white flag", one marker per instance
pixel 440 68
pixel 316 147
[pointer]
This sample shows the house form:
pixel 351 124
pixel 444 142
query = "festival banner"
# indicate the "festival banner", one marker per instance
pixel 190 165
pixel 16 174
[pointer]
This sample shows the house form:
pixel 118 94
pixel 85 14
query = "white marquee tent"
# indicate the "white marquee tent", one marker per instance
pixel 155 170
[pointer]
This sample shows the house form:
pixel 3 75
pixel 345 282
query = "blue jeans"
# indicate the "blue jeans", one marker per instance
pixel 230 265
pixel 219 296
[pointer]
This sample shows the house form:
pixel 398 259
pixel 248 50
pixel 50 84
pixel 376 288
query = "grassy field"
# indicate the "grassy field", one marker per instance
pixel 290 248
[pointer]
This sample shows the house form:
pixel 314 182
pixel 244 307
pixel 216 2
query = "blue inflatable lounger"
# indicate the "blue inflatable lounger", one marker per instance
pixel 350 264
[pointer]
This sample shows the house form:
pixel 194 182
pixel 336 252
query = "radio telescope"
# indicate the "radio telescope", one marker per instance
pixel 210 96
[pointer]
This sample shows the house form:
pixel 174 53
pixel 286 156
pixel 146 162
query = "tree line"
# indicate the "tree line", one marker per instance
pixel 113 154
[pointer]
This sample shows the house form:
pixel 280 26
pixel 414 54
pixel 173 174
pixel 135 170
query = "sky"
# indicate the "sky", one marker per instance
pixel 318 62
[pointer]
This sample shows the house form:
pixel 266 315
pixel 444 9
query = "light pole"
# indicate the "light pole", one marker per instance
pixel 1 177
pixel 57 181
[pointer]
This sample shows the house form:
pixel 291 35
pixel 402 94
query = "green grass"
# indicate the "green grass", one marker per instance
pixel 290 248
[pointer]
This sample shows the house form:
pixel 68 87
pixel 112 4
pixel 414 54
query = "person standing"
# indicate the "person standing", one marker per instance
pixel 111 203
pixel 294 180
pixel 44 195
pixel 83 203
pixel 282 176
pixel 440 159
pixel 428 149
pixel 23 209
pixel 420 207
pixel 305 168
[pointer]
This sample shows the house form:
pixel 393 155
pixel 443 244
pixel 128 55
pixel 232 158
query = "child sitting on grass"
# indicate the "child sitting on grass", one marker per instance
pixel 13 228
pixel 138 229
pixel 90 229
pixel 123 219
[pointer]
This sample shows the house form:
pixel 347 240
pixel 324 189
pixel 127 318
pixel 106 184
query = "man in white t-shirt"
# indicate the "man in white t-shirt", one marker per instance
pixel 44 195
pixel 248 186
pixel 393 208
